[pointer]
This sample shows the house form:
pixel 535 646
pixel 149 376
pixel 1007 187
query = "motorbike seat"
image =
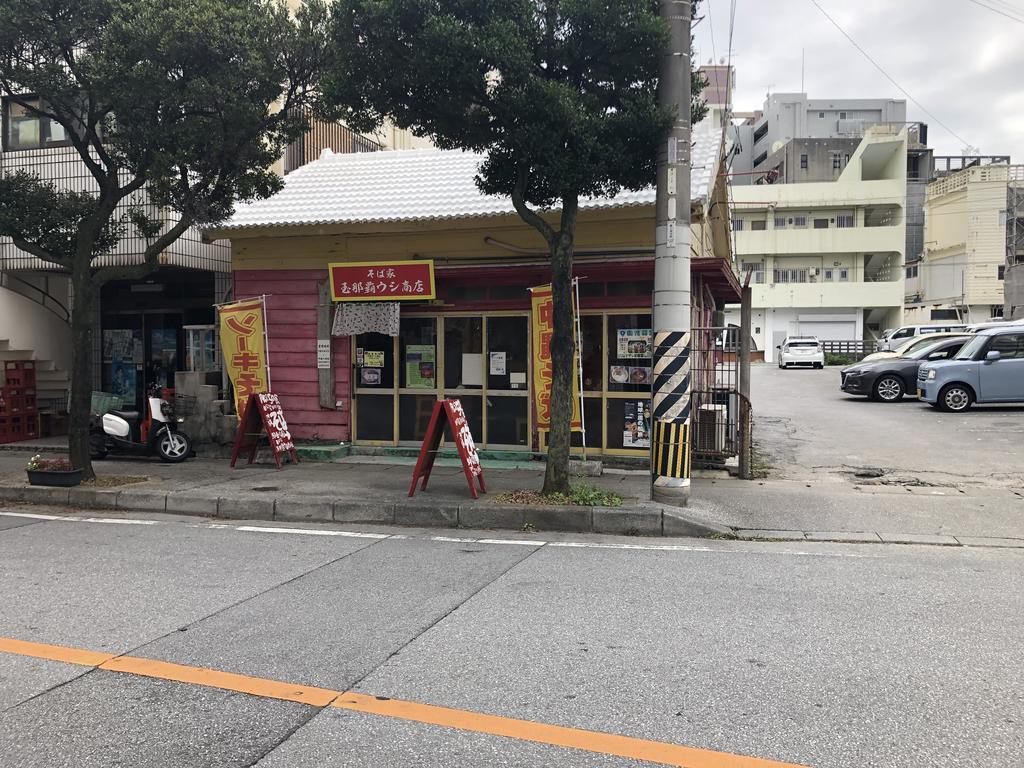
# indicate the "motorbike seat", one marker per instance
pixel 126 415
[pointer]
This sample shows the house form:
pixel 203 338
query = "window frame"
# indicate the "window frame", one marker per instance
pixel 44 122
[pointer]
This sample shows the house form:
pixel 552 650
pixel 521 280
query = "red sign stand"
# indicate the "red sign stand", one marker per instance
pixel 450 410
pixel 263 414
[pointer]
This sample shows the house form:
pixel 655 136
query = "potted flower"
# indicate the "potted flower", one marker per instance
pixel 57 472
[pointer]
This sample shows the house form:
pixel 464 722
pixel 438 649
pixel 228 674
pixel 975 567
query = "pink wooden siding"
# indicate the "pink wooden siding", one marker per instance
pixel 291 324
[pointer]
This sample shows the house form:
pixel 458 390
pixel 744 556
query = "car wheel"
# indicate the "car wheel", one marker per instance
pixel 889 389
pixel 955 398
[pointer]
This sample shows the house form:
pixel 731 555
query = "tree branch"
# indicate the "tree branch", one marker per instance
pixel 39 252
pixel 150 256
pixel 529 215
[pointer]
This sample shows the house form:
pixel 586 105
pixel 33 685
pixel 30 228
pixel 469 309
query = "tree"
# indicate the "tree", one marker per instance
pixel 559 95
pixel 177 108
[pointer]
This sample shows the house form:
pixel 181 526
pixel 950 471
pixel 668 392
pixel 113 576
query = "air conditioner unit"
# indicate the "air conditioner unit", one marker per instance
pixel 711 428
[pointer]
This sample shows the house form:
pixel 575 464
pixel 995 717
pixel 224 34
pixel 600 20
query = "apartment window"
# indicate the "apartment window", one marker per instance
pixel 756 268
pixel 821 223
pixel 27 129
pixel 846 159
pixel 758 225
pixel 844 221
pixel 1002 271
pixel 821 114
pixel 842 115
pixel 844 275
pixel 761 132
pixel 780 222
pixel 790 275
pixel 911 272
pixel 827 276
pixel 803 162
pixel 760 159
pixel 837 162
pixel 799 221
pixel 737 225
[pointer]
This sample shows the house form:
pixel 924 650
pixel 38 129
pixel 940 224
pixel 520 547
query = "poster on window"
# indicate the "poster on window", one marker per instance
pixel 633 343
pixel 419 366
pixel 637 418
pixel 373 358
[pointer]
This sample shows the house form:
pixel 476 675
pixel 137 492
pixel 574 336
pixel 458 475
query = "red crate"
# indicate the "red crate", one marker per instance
pixel 20 373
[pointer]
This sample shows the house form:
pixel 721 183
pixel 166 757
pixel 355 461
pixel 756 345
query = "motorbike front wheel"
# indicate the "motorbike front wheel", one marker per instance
pixel 173 446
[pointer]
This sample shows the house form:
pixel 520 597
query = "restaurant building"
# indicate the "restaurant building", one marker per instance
pixel 368 371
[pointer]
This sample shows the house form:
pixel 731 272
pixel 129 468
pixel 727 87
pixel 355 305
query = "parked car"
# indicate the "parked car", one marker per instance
pixel 890 378
pixel 903 333
pixel 912 344
pixel 801 350
pixel 988 369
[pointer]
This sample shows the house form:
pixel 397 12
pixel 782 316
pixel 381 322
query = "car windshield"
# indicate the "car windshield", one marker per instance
pixel 971 348
pixel 922 351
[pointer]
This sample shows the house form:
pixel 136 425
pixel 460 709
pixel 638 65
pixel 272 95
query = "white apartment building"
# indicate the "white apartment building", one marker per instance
pixel 827 257
pixel 970 221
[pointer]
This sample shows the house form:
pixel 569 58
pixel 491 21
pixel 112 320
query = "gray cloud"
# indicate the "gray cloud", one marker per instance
pixel 963 63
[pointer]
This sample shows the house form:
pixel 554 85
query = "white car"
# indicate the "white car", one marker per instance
pixel 801 350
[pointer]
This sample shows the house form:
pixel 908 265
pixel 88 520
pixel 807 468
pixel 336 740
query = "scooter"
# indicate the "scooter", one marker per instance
pixel 124 432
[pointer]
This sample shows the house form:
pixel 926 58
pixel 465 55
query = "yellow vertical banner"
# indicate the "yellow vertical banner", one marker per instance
pixel 244 347
pixel 543 327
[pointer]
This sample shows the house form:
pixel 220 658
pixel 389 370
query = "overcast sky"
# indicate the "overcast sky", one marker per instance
pixel 962 62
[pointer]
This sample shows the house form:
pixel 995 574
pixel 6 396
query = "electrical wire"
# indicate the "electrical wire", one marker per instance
pixel 881 69
pixel 996 10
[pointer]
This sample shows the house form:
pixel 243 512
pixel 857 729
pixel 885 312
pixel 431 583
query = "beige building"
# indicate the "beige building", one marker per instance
pixel 970 222
pixel 826 258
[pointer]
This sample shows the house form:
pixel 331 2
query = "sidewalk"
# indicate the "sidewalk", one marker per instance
pixel 373 490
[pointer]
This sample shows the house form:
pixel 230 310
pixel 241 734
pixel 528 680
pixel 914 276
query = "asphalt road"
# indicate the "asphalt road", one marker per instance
pixel 808 428
pixel 812 654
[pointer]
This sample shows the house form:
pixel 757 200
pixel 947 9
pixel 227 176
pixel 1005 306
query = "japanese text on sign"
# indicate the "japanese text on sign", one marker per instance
pixel 241 338
pixel 543 328
pixel 273 421
pixel 393 281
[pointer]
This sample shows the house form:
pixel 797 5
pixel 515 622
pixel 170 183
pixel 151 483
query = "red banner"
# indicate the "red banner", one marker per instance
pixel 382 281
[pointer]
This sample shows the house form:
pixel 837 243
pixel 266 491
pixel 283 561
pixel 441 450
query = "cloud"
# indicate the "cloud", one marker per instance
pixel 961 62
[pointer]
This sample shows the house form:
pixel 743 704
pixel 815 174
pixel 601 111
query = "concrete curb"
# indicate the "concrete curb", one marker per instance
pixel 644 520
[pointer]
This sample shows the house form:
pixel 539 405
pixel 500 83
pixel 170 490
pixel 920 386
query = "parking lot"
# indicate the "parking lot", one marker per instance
pixel 805 427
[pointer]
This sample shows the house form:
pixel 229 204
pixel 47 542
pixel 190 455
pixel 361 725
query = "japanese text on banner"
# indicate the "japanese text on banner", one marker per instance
pixel 241 339
pixel 543 327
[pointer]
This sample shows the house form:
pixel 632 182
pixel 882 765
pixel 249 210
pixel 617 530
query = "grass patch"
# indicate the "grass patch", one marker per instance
pixel 579 496
pixel 113 481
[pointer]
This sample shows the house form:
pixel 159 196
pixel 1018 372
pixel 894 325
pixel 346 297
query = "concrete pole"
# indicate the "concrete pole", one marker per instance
pixel 670 386
pixel 746 307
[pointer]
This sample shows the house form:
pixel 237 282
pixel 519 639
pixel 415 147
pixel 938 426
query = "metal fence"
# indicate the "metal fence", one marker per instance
pixel 719 413
pixel 852 348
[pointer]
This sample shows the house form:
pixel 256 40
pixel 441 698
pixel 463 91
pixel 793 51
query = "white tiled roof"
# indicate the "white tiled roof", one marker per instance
pixel 417 185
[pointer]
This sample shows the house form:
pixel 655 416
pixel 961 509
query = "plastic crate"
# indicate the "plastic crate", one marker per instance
pixel 105 401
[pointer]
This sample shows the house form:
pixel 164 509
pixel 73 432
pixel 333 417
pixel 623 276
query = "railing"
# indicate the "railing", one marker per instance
pixel 852 348
pixel 320 135
pixel 44 299
pixel 717 408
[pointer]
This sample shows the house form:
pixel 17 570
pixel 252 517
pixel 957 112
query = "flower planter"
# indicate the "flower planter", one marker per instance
pixel 54 477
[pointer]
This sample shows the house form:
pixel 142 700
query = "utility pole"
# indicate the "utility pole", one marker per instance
pixel 670 385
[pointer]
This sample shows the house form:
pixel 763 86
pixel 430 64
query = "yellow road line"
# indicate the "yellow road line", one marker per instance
pixel 522 730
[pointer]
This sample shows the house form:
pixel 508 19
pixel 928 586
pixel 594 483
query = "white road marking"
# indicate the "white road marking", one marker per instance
pixel 450 539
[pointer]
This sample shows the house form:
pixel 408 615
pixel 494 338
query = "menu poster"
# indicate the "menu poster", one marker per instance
pixel 419 366
pixel 633 343
pixel 637 427
pixel 498 364
pixel 373 358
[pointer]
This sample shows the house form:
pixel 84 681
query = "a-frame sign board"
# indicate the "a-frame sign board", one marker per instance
pixel 450 412
pixel 263 414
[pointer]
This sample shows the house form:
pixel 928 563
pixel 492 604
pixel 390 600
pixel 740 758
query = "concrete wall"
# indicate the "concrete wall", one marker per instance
pixel 28 325
pixel 1014 293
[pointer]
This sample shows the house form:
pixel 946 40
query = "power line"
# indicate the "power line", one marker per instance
pixel 996 10
pixel 887 75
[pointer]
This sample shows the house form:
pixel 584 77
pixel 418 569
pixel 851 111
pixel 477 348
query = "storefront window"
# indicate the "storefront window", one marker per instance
pixel 507 353
pixel 472 405
pixel 414 413
pixel 375 362
pixel 592 330
pixel 463 352
pixel 507 420
pixel 376 417
pixel 592 418
pixel 629 423
pixel 418 346
pixel 629 353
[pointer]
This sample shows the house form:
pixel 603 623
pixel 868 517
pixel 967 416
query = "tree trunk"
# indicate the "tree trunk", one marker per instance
pixel 83 322
pixel 556 478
